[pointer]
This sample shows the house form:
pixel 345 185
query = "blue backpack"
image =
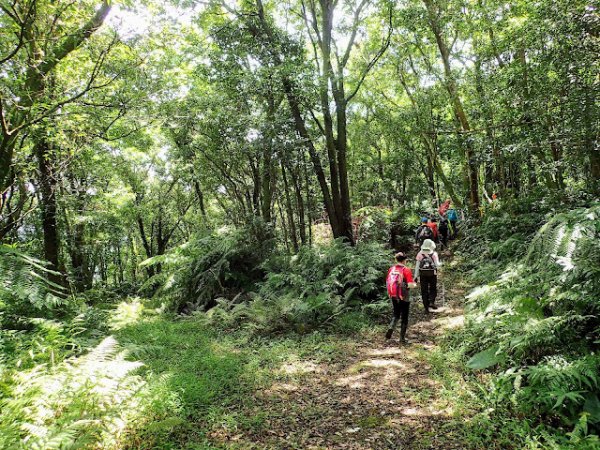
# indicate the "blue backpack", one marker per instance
pixel 452 216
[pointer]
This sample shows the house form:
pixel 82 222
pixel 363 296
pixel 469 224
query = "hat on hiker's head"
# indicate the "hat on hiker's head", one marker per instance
pixel 428 246
pixel 400 256
pixel 423 219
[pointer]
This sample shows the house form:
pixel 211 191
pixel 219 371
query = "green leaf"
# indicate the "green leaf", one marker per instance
pixel 486 358
pixel 592 407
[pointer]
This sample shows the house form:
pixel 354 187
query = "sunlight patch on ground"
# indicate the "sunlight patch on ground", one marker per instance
pixel 353 381
pixel 449 323
pixel 427 411
pixel 385 363
pixel 300 367
pixel 389 351
pixel 288 387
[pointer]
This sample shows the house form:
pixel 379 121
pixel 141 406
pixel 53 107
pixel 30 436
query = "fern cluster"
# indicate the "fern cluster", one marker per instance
pixel 77 404
pixel 225 263
pixel 310 289
pixel 24 289
pixel 538 323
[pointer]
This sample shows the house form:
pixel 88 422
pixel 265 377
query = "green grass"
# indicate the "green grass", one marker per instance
pixel 201 380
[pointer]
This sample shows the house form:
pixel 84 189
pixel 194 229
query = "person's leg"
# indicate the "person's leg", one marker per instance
pixel 405 309
pixel 395 318
pixel 425 293
pixel 432 291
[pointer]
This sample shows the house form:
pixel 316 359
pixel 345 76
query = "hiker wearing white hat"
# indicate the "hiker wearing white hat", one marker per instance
pixel 428 263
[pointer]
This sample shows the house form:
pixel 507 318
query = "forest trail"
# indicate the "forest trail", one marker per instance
pixel 375 394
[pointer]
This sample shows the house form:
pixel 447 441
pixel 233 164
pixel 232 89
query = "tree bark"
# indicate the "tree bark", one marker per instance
pixel 289 209
pixel 48 185
pixel 459 112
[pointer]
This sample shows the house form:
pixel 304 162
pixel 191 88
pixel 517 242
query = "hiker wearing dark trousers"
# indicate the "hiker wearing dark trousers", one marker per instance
pixel 426 271
pixel 399 280
pixel 443 230
pixel 423 232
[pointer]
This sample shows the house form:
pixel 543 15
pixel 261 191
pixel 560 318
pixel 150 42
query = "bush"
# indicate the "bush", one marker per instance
pixel 309 290
pixel 374 224
pixel 25 291
pixel 538 323
pixel 355 273
pixel 225 264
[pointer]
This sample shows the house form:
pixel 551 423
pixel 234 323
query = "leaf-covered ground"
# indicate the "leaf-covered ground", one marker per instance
pixel 370 394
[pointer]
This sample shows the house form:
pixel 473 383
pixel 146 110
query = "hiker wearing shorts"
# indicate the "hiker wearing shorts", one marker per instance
pixel 399 281
pixel 426 270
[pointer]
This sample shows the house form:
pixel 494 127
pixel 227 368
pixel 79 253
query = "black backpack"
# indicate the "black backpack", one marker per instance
pixel 424 232
pixel 443 226
pixel 426 265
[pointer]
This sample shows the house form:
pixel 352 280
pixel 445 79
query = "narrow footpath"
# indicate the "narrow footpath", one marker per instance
pixel 377 394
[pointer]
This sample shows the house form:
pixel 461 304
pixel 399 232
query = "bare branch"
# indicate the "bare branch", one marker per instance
pixel 24 25
pixel 316 119
pixel 379 54
pixel 355 22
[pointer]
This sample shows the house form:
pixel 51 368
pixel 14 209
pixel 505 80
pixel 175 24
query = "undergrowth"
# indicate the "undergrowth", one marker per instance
pixel 308 291
pixel 534 324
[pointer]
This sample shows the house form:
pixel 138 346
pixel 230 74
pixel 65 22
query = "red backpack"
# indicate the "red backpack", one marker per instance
pixel 396 285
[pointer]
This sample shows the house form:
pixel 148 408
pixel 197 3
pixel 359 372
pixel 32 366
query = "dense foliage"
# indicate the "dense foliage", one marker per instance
pixel 251 166
pixel 537 324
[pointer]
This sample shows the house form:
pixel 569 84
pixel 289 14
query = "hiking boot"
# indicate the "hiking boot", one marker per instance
pixel 389 332
pixel 433 307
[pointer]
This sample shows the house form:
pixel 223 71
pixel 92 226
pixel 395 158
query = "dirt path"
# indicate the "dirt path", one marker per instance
pixel 378 395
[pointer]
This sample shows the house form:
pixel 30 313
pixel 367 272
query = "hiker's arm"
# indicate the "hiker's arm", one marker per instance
pixel 409 278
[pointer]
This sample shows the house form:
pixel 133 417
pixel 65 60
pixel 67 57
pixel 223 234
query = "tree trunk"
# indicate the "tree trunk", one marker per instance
pixel 459 112
pixel 48 184
pixel 200 196
pixel 297 180
pixel 289 209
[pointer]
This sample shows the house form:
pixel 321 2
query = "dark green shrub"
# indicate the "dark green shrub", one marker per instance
pixel 538 322
pixel 310 290
pixel 226 264
pixel 355 273
pixel 374 224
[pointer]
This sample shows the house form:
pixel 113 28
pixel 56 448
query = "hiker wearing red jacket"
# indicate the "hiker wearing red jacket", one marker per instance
pixel 399 280
pixel 432 223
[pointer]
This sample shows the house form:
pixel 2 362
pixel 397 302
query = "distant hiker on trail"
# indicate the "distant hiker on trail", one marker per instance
pixel 444 207
pixel 452 216
pixel 399 280
pixel 426 270
pixel 432 223
pixel 444 230
pixel 423 232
